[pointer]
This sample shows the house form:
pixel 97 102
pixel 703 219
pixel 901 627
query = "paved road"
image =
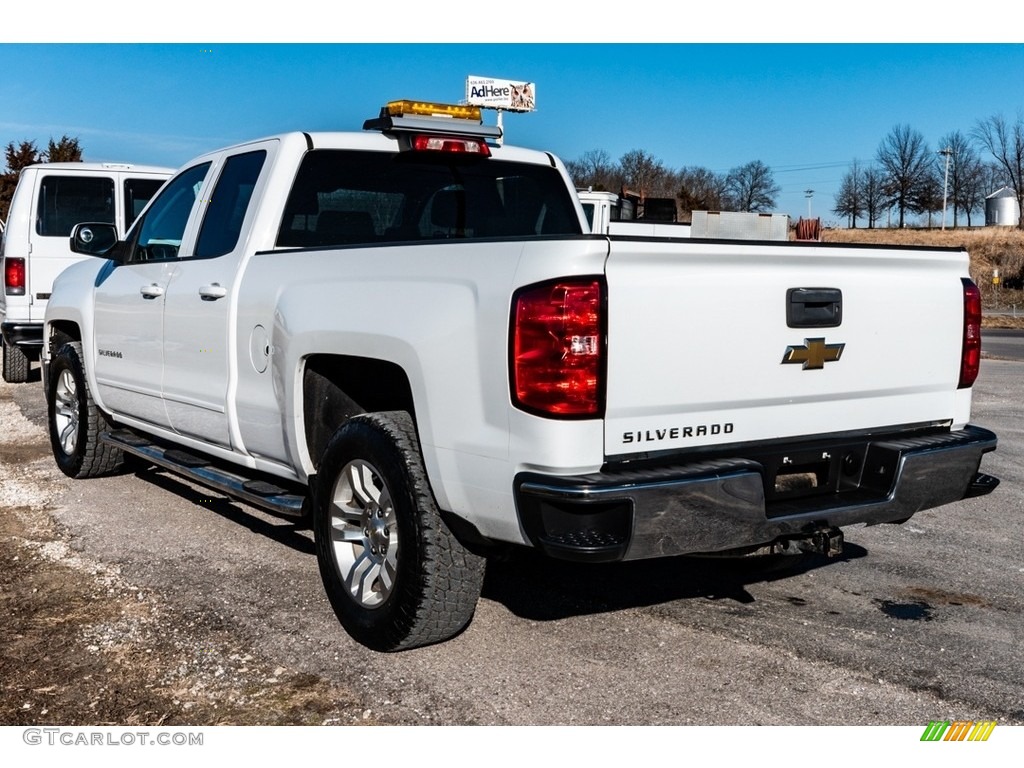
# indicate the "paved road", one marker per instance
pixel 1003 344
pixel 916 622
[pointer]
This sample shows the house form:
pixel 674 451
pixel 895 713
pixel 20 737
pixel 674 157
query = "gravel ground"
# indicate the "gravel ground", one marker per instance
pixel 80 644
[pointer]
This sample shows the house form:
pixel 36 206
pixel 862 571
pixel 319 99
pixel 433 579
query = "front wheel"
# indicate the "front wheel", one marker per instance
pixel 396 576
pixel 74 420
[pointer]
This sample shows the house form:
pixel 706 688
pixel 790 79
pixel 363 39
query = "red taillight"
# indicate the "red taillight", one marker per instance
pixel 14 277
pixel 558 348
pixel 450 144
pixel 970 357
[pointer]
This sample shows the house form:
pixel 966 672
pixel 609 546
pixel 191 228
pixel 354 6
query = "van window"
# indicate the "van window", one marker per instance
pixel 589 209
pixel 68 200
pixel 138 192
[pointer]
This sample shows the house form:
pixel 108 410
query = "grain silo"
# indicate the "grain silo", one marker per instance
pixel 1002 209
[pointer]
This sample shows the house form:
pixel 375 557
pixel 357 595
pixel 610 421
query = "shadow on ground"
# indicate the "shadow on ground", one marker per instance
pixel 540 589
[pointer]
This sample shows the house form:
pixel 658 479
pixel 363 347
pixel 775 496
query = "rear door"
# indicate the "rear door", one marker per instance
pixel 63 199
pixel 713 343
pixel 200 301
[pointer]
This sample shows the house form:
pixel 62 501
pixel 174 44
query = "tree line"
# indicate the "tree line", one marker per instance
pixel 910 178
pixel 25 153
pixel 906 178
pixel 748 187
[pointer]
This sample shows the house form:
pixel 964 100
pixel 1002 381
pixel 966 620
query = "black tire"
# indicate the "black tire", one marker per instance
pixel 74 420
pixel 376 518
pixel 16 364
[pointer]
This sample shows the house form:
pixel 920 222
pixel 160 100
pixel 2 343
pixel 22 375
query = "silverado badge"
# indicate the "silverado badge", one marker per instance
pixel 813 353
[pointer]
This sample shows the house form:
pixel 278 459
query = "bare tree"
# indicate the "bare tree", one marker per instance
pixel 751 187
pixel 644 174
pixel 965 174
pixel 594 168
pixel 700 189
pixel 970 192
pixel 850 198
pixel 1005 141
pixel 905 161
pixel 927 198
pixel 875 199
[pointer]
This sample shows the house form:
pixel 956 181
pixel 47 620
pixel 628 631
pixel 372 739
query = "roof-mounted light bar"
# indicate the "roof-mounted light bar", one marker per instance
pixel 429 117
pixel 405 107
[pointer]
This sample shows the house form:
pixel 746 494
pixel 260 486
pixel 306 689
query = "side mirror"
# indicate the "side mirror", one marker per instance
pixel 95 239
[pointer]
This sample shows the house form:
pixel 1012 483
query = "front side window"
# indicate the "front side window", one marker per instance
pixel 222 223
pixel 138 192
pixel 68 200
pixel 163 227
pixel 349 197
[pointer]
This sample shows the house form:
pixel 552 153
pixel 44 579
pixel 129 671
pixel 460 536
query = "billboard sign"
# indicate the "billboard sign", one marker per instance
pixel 510 95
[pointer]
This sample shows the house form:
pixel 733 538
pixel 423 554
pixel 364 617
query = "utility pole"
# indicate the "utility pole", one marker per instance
pixel 945 183
pixel 809 193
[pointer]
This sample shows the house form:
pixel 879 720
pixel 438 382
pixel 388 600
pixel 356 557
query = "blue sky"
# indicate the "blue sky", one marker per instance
pixel 806 109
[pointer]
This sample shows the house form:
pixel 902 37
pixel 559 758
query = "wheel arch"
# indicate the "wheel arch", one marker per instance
pixel 61 332
pixel 335 388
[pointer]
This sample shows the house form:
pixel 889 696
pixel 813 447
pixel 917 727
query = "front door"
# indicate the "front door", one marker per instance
pixel 129 304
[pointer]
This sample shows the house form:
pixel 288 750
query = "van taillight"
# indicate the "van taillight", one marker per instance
pixel 14 277
pixel 970 356
pixel 558 348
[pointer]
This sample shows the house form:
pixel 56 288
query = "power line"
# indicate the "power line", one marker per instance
pixel 815 167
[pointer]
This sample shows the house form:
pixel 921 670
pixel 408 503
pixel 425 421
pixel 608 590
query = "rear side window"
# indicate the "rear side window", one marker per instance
pixel 223 221
pixel 138 192
pixel 68 200
pixel 347 197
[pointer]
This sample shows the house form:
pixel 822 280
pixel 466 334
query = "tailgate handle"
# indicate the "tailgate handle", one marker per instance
pixel 814 307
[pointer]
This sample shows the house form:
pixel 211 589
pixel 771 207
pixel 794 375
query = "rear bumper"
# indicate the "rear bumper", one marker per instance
pixel 720 505
pixel 28 336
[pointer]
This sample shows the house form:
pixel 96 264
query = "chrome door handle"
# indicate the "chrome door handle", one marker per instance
pixel 151 291
pixel 212 292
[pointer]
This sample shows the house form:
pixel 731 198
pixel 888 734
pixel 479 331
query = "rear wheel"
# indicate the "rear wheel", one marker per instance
pixel 74 420
pixel 396 576
pixel 16 364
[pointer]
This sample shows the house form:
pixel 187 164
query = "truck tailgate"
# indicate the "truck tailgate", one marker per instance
pixel 698 333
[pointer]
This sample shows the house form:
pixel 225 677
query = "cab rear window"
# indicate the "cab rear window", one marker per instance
pixel 346 197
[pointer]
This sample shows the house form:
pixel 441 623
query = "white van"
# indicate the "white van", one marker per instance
pixel 49 200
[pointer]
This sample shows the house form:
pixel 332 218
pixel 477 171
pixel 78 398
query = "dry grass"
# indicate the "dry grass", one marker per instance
pixel 990 248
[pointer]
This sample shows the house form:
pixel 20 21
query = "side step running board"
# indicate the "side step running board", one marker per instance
pixel 201 470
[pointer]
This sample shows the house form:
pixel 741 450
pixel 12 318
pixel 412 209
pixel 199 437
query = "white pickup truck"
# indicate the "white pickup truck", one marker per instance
pixel 408 334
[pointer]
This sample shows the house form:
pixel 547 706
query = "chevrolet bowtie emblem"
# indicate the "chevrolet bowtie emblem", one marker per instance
pixel 813 353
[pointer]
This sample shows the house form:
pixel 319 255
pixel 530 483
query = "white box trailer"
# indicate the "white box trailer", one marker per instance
pixel 608 213
pixel 736 225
